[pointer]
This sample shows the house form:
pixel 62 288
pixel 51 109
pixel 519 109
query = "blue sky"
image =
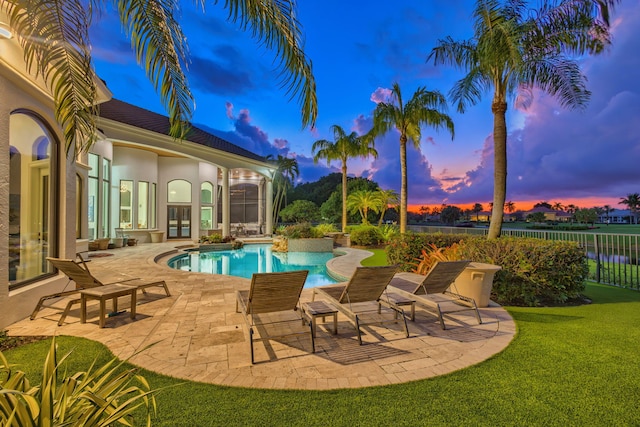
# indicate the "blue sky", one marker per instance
pixel 358 48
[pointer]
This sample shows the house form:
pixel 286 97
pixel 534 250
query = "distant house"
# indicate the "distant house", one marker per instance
pixel 550 214
pixel 482 216
pixel 616 216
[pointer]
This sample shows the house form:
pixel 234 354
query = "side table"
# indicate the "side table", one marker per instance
pixel 103 293
pixel 316 309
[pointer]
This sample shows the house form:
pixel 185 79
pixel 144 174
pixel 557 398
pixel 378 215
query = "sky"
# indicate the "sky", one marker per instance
pixel 358 50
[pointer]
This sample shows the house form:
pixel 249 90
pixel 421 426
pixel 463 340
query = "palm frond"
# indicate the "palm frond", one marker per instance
pixel 160 47
pixel 561 78
pixel 55 41
pixel 275 25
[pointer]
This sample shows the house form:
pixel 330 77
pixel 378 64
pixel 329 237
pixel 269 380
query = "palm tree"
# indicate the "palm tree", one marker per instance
pixel 387 197
pixel 285 174
pixel 343 148
pixel 55 40
pixel 557 206
pixel 633 203
pixel 516 48
pixel 362 202
pixel 510 206
pixel 424 108
pixel 476 209
pixel 607 209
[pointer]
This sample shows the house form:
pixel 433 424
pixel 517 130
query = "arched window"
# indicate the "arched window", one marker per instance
pixel 32 189
pixel 179 191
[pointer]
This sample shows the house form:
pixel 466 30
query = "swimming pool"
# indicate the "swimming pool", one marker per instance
pixel 257 259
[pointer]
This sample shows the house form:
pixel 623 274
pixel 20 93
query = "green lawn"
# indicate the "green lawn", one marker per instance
pixel 567 366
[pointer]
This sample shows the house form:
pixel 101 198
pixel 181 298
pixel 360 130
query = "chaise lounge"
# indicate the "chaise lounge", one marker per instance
pixel 273 293
pixel 433 291
pixel 78 272
pixel 367 285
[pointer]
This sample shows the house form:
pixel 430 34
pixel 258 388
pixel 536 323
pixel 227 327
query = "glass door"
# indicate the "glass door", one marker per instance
pixel 179 222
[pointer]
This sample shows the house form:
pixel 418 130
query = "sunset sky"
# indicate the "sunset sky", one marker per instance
pixel 358 50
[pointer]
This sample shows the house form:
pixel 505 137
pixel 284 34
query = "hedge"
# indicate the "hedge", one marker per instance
pixel 534 271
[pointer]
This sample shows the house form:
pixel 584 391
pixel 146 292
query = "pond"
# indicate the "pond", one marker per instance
pixel 257 259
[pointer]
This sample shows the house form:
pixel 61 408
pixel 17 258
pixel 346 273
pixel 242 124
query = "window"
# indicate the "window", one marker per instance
pixel 179 191
pixel 244 203
pixel 92 201
pixel 153 222
pixel 105 219
pixel 78 206
pixel 99 197
pixel 206 208
pixel 32 189
pixel 126 203
pixel 143 204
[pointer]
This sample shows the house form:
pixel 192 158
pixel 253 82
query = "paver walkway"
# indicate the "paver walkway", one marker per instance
pixel 199 336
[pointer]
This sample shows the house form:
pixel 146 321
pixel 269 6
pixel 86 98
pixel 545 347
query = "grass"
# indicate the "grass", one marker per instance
pixel 566 366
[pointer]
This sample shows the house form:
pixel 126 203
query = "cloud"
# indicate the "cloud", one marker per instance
pixel 381 95
pixel 224 71
pixel 251 137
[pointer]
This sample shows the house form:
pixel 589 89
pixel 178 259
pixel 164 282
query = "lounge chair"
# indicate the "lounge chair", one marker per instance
pixel 78 272
pixel 272 293
pixel 433 291
pixel 365 286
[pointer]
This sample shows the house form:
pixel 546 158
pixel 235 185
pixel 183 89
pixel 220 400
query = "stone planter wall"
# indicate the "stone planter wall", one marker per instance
pixel 311 245
pixel 210 247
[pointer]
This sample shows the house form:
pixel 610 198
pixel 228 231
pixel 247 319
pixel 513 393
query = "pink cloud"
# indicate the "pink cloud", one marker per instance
pixel 381 95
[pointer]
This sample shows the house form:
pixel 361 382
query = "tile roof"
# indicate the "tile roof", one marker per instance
pixel 123 112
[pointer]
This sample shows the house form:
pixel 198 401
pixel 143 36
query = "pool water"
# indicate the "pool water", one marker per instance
pixel 257 259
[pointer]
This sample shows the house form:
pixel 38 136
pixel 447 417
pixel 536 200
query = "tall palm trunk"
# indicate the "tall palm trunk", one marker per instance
pixel 403 188
pixel 499 109
pixel 344 197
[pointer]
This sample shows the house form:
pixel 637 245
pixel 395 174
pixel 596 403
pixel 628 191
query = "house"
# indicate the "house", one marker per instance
pixel 616 216
pixel 550 214
pixel 135 180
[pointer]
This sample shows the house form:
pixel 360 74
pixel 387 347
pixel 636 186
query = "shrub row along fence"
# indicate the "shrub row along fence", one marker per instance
pixel 614 258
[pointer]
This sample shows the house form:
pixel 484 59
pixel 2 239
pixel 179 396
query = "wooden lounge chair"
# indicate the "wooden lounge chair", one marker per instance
pixel 433 291
pixel 365 286
pixel 78 272
pixel 272 293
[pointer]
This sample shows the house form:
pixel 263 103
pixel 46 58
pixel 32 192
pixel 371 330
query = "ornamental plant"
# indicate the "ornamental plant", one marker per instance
pixel 102 396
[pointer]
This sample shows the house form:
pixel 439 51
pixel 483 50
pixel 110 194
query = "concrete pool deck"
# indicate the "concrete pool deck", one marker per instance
pixel 198 335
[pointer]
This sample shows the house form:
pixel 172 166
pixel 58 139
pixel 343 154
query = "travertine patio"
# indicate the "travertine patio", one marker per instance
pixel 199 336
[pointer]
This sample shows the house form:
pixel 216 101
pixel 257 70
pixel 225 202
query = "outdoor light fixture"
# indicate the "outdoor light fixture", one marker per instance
pixel 5 32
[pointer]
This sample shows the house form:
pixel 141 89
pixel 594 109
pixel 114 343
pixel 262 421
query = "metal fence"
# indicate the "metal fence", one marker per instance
pixel 614 257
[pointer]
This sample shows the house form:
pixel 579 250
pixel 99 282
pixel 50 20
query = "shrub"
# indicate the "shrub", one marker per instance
pixel 432 254
pixel 326 229
pixel 389 232
pixel 216 238
pixel 300 211
pixel 367 235
pixel 299 231
pixel 534 271
pixel 405 249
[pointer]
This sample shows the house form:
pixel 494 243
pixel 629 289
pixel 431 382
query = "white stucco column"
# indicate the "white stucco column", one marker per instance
pixel 226 205
pixel 269 208
pixel 261 209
